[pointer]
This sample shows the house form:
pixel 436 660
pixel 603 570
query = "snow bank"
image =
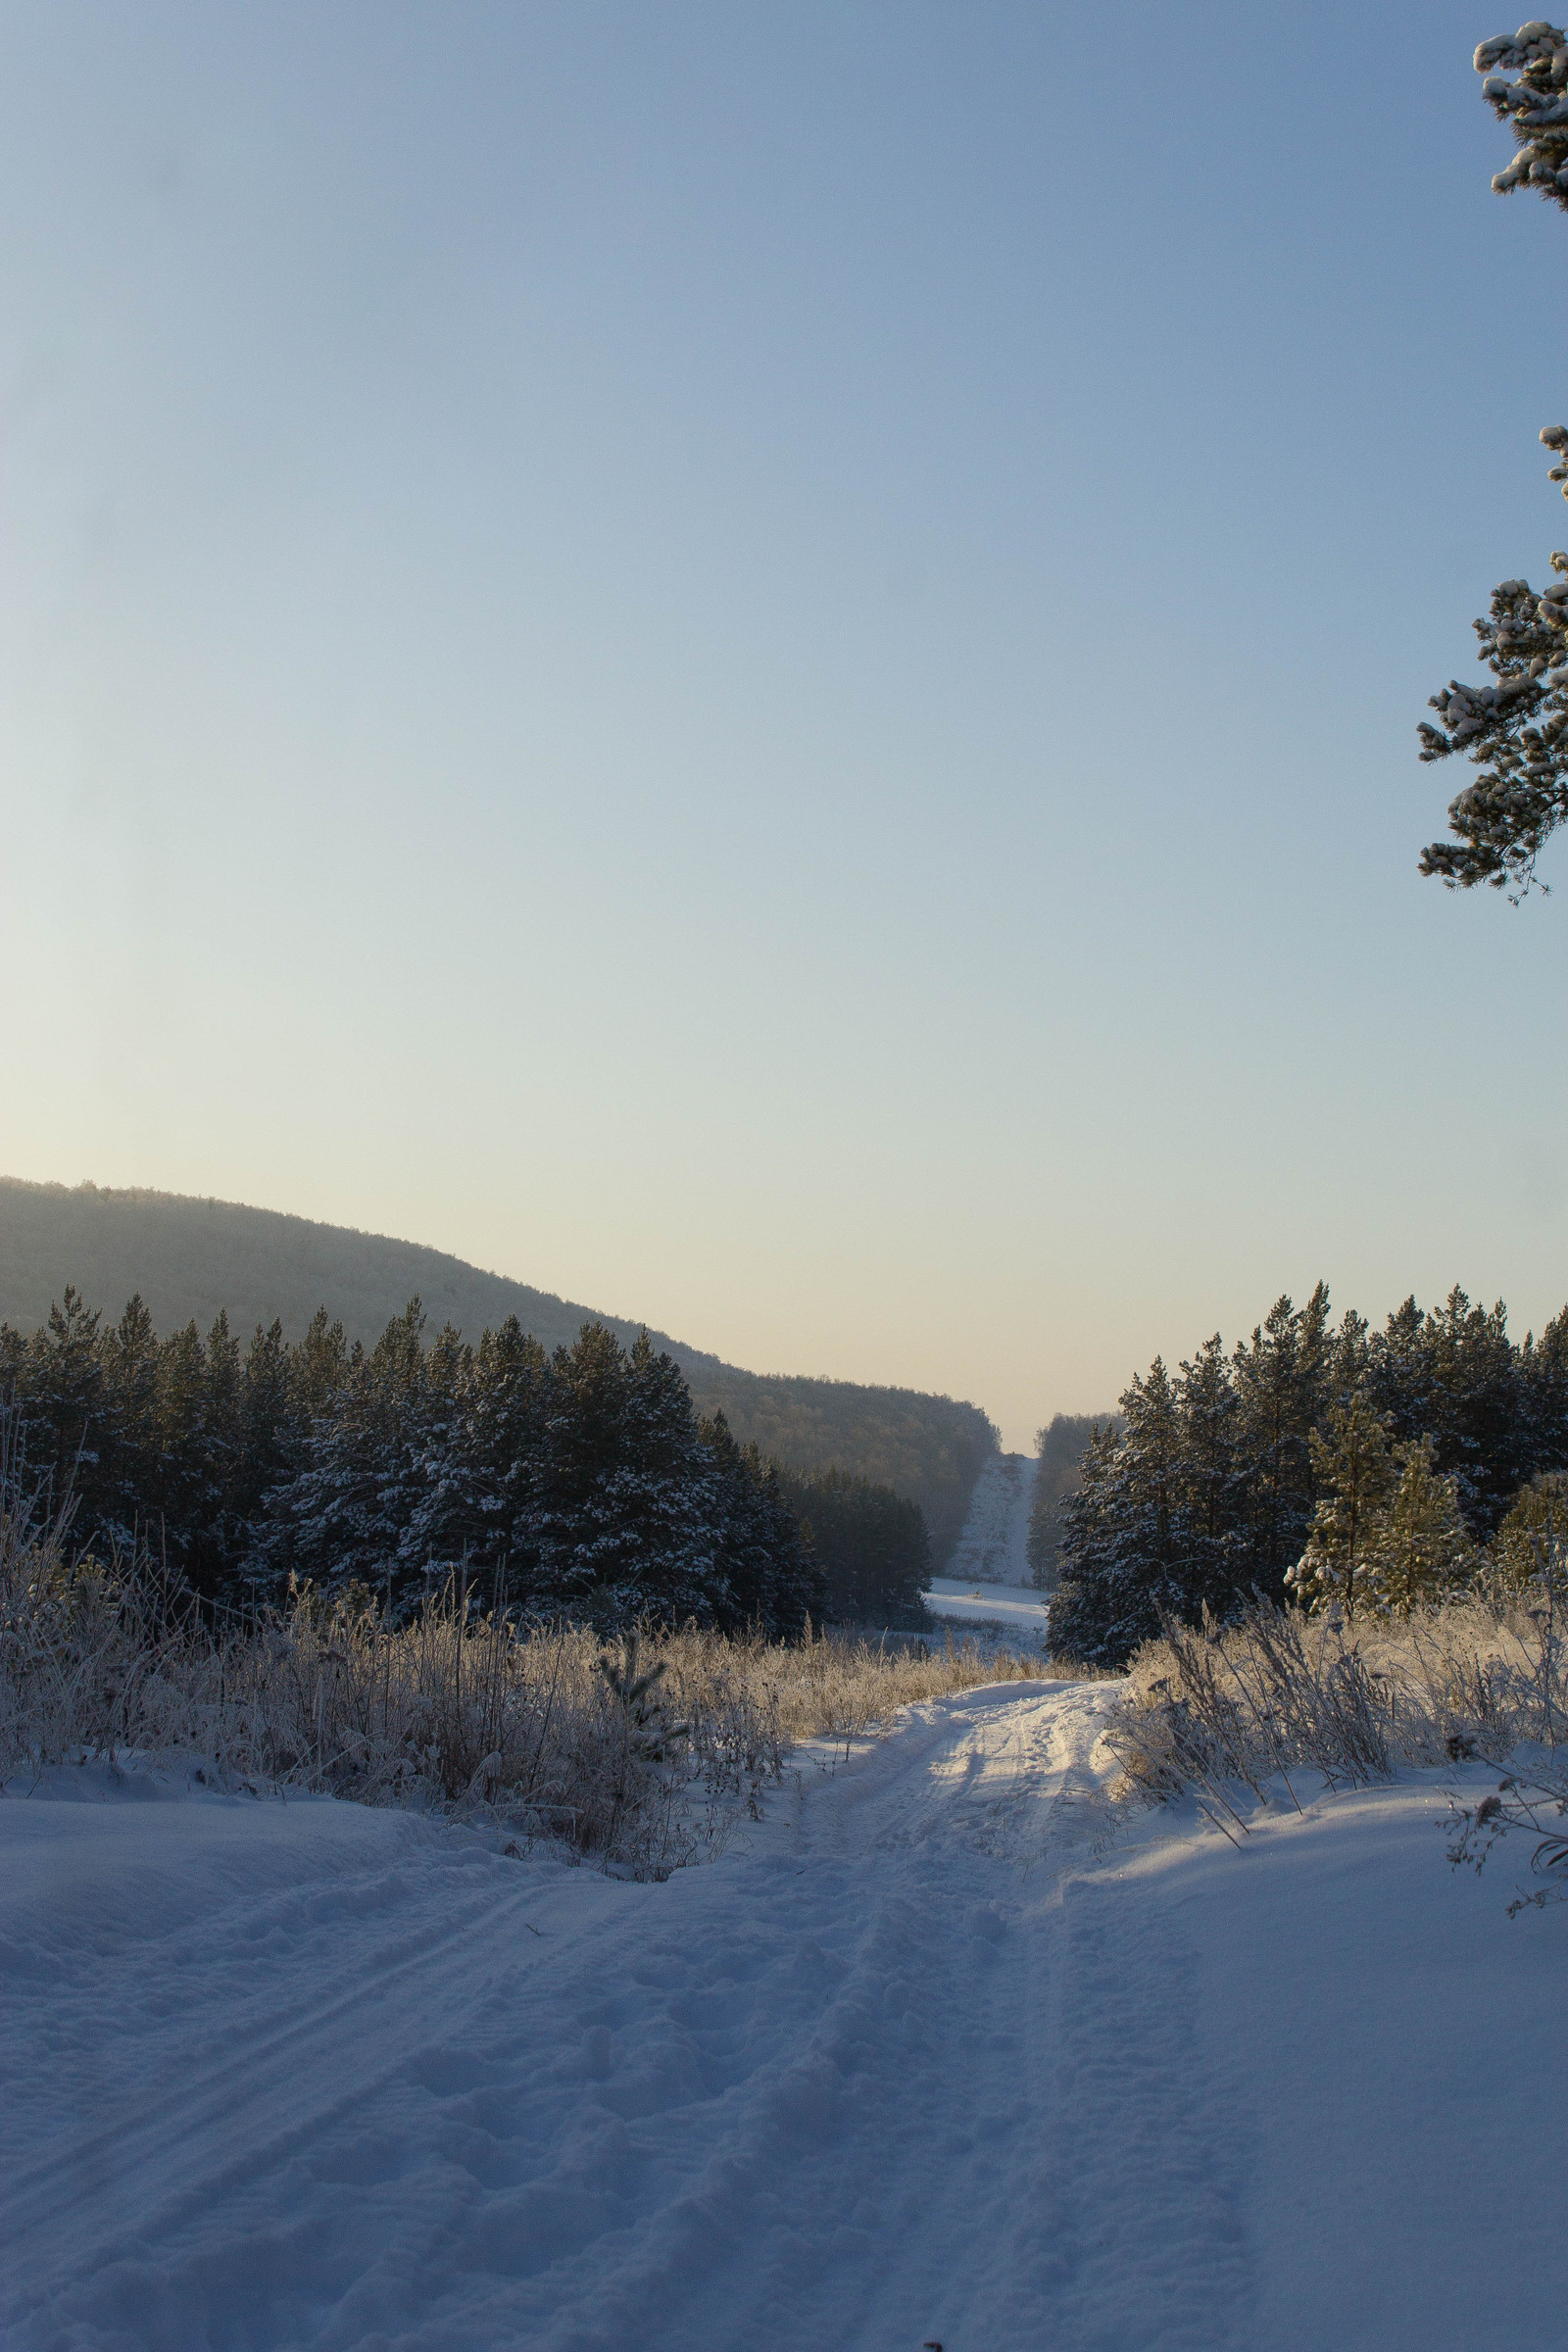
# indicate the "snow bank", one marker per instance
pixel 934 2057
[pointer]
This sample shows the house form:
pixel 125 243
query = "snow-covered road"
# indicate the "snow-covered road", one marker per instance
pixel 916 2065
pixel 992 1546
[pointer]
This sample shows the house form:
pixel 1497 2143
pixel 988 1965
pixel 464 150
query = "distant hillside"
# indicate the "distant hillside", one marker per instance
pixel 188 1258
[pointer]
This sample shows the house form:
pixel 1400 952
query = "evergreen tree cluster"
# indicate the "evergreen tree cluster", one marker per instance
pixel 1320 1463
pixel 579 1482
pixel 186 1259
pixel 870 1544
pixel 1059 1449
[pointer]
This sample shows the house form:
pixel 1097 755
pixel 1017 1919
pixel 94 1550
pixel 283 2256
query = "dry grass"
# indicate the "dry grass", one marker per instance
pixel 535 1729
pixel 1219 1708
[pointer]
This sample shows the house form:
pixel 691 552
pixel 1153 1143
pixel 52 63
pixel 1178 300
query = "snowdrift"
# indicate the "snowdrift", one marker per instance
pixel 947 2052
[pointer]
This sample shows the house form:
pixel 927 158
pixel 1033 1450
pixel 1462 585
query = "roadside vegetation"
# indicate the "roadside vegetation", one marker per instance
pixel 1277 1691
pixel 643 1750
pixel 1321 1465
pixel 1339 1551
pixel 1224 1712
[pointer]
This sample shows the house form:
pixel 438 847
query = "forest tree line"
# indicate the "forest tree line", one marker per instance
pixel 186 1259
pixel 1325 1464
pixel 579 1482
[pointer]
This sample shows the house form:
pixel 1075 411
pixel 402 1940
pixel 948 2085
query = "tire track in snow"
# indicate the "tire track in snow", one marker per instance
pixel 856 2087
pixel 167 2137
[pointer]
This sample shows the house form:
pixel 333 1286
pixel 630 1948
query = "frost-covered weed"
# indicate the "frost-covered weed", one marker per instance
pixel 1219 1708
pixel 644 1757
pixel 1536 1802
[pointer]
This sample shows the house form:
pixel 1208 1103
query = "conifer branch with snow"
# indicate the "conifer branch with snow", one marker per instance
pixel 1535 107
pixel 1514 728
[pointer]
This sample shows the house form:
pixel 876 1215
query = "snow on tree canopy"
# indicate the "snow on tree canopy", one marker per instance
pixel 1534 106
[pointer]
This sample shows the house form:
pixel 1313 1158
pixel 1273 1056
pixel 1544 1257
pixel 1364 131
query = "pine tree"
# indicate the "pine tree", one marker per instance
pixel 627 1504
pixel 1531 1546
pixel 1214 1513
pixel 870 1547
pixel 1400 1378
pixel 318 1367
pixel 1420 1549
pixel 216 1548
pixel 668 1493
pixel 271 1426
pixel 342 1517
pixel 794 1585
pixel 1478 1375
pixel 1317 1345
pixel 1455 1376
pixel 1355 1474
pixel 1281 1382
pixel 1059 1447
pixel 432 1503
pixel 479 1501
pixel 1348 1358
pixel 583 1441
pixel 744 1569
pixel 1514 728
pixel 182 1526
pixel 128 1354
pixel 1542 1394
pixel 1124 1552
pixel 652 1735
pixel 65 1437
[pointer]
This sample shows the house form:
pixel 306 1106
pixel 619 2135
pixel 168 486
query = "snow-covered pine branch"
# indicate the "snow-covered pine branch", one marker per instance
pixel 1534 106
pixel 1515 729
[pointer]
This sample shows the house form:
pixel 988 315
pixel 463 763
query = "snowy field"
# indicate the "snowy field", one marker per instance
pixel 1019 1608
pixel 928 2060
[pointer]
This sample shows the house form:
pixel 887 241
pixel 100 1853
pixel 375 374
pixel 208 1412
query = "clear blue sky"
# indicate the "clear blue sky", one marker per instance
pixel 760 665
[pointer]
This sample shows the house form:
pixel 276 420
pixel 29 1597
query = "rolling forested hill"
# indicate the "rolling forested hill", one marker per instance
pixel 188 1258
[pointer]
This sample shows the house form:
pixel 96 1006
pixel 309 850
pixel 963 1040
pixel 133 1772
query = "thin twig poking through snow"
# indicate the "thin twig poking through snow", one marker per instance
pixel 1536 1802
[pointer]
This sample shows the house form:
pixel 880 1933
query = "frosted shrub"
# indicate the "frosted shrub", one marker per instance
pixel 643 1756
pixel 1216 1709
pixel 85 1651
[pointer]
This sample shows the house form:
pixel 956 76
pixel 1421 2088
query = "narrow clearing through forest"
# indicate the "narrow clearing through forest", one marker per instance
pixel 916 2061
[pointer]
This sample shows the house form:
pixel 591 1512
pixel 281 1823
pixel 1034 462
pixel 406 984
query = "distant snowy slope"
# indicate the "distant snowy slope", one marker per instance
pixel 993 1546
pixel 921 2064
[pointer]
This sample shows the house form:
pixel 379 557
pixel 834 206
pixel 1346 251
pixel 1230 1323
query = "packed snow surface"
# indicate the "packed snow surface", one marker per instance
pixel 994 1545
pixel 1017 1608
pixel 920 2063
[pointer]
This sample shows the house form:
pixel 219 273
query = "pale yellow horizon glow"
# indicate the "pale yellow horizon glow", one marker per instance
pixel 850 1313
